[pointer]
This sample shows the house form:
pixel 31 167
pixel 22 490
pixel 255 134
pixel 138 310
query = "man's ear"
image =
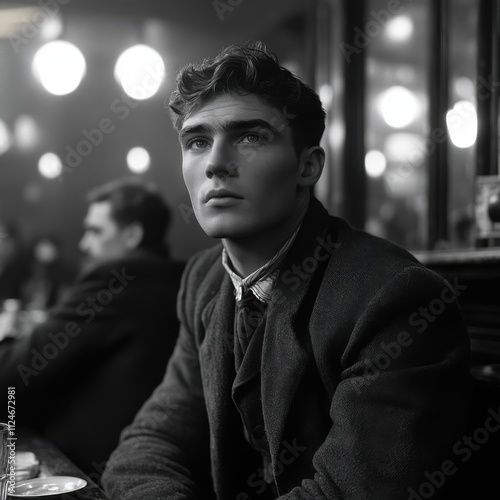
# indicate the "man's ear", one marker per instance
pixel 311 165
pixel 134 233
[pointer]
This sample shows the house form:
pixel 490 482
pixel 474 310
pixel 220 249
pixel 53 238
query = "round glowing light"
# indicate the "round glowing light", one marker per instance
pixel 404 147
pixel 60 67
pixel 375 163
pixel 326 95
pixel 336 134
pixel 5 139
pixel 462 124
pixel 51 28
pixel 25 132
pixel 464 87
pixel 398 106
pixel 50 165
pixel 32 193
pixel 140 71
pixel 138 160
pixel 399 28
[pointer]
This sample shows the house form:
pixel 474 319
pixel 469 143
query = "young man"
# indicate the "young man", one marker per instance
pixel 305 367
pixel 82 375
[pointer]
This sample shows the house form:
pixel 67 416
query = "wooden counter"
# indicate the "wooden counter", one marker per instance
pixel 54 463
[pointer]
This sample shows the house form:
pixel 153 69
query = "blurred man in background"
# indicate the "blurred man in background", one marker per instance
pixel 81 376
pixel 13 262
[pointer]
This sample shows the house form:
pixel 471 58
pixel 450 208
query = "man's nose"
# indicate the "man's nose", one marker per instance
pixel 221 161
pixel 83 243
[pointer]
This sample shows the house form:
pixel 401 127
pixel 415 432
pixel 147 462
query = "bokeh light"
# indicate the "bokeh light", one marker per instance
pixel 399 29
pixel 26 132
pixel 50 165
pixel 60 67
pixel 140 71
pixel 462 124
pixel 138 160
pixel 51 28
pixel 375 163
pixel 5 138
pixel 398 106
pixel 464 87
pixel 326 95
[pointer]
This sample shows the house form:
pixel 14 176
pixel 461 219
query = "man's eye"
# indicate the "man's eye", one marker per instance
pixel 197 143
pixel 251 138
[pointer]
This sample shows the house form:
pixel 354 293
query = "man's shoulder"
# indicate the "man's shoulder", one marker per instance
pixel 364 262
pixel 158 274
pixel 350 246
pixel 202 278
pixel 368 249
pixel 205 265
pixel 138 260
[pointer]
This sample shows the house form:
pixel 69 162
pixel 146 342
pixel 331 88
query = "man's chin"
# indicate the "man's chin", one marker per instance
pixel 224 231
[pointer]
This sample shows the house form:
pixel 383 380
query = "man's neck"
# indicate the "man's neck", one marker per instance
pixel 249 254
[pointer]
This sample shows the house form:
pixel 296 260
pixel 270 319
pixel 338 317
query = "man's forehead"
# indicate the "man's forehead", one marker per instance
pixel 225 108
pixel 98 212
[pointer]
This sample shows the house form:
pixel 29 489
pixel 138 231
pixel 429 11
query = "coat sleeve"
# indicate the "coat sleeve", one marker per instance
pixel 165 452
pixel 398 414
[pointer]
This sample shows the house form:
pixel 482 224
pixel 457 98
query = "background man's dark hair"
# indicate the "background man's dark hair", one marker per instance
pixel 251 69
pixel 133 200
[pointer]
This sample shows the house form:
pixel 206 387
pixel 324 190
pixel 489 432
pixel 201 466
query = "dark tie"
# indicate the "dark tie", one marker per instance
pixel 248 315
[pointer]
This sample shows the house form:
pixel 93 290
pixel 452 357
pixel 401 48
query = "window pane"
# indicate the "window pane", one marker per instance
pixel 397 121
pixel 462 120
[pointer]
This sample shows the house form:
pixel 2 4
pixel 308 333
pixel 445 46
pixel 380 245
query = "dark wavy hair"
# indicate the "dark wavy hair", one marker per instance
pixel 133 200
pixel 250 69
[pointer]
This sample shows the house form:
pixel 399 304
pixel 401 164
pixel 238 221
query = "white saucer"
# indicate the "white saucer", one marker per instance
pixel 47 486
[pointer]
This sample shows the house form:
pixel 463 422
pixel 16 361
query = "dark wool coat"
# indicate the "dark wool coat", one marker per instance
pixel 364 374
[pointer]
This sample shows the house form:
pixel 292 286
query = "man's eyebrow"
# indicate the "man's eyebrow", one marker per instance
pixel 231 125
pixel 235 125
pixel 195 129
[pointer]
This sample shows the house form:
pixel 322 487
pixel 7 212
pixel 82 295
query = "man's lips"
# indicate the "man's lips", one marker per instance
pixel 221 193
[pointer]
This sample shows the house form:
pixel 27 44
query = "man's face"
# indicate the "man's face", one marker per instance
pixel 240 166
pixel 102 238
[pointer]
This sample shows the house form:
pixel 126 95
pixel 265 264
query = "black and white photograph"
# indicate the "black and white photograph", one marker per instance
pixel 249 249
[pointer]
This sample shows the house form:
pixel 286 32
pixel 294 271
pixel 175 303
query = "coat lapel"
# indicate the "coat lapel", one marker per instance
pixel 286 350
pixel 218 373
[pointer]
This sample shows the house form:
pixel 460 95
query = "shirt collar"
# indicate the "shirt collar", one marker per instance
pixel 262 280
